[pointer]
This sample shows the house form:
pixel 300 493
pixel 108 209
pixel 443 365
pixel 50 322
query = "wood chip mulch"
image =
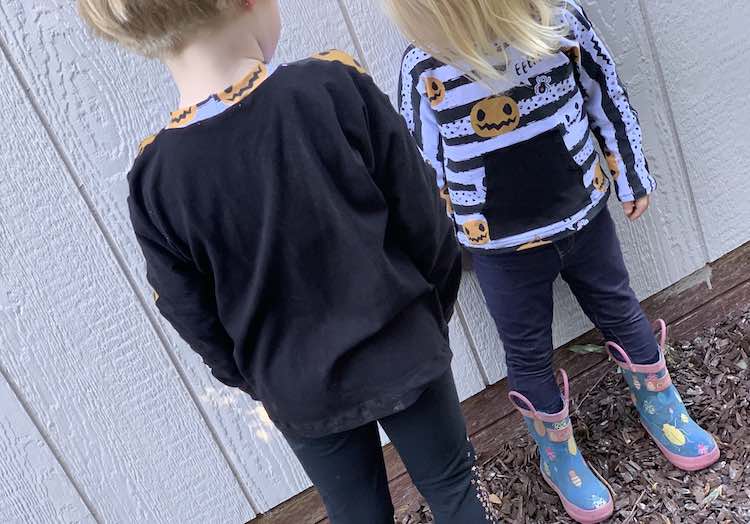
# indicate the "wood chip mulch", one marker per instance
pixel 712 375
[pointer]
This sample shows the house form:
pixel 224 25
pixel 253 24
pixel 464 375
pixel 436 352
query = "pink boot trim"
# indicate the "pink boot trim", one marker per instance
pixel 583 516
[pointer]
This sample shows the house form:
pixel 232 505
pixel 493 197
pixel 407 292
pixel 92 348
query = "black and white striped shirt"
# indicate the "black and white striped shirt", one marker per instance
pixel 517 159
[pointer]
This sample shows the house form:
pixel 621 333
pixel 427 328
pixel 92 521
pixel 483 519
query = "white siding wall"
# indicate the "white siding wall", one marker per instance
pixel 111 418
pixel 33 482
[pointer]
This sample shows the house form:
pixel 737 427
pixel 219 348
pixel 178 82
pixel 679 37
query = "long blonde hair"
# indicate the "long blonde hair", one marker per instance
pixel 476 32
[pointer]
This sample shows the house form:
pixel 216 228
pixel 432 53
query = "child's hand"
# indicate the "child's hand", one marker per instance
pixel 634 210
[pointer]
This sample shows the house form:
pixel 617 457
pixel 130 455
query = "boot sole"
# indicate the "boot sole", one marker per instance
pixel 686 463
pixel 583 516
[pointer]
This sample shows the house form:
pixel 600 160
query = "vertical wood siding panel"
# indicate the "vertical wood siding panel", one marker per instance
pixel 466 371
pixel 77 345
pixel 703 49
pixel 33 487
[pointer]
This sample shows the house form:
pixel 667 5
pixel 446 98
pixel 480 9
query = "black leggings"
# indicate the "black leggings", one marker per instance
pixel 349 471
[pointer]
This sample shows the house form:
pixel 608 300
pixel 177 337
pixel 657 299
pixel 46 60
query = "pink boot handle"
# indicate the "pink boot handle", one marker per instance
pixel 660 326
pixel 514 395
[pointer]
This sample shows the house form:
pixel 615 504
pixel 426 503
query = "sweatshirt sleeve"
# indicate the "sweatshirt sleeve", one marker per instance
pixel 389 151
pixel 184 296
pixel 418 114
pixel 614 120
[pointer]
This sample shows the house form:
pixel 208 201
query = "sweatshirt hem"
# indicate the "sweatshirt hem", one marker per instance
pixel 369 410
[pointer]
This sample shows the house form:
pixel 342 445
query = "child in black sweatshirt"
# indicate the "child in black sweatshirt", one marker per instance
pixel 295 239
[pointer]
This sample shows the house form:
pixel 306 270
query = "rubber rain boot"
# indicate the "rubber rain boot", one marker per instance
pixel 585 498
pixel 663 414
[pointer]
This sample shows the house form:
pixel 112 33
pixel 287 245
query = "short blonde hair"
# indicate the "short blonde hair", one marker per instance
pixel 473 32
pixel 154 28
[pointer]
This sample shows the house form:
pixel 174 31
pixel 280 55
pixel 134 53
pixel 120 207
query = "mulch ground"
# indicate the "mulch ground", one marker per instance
pixel 712 375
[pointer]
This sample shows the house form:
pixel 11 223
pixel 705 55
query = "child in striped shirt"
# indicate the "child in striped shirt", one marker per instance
pixel 509 102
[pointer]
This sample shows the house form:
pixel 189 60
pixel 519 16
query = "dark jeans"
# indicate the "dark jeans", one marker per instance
pixel 349 471
pixel 518 289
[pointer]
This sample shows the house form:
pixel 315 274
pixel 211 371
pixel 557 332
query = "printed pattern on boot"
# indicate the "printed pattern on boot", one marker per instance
pixel 585 498
pixel 663 414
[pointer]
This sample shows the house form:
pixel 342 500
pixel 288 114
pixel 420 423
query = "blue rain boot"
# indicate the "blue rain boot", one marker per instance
pixel 585 498
pixel 684 443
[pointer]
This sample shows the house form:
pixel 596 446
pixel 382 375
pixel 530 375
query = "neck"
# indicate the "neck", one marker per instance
pixel 214 60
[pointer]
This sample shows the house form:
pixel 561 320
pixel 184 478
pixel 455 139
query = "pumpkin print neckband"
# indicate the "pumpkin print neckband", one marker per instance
pixel 218 102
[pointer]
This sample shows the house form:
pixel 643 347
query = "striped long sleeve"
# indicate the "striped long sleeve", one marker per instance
pixel 614 121
pixel 415 107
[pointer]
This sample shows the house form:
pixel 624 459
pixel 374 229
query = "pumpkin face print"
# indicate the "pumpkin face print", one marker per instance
pixel 446 198
pixel 600 181
pixel 495 116
pixel 477 231
pixel 435 90
pixel 614 169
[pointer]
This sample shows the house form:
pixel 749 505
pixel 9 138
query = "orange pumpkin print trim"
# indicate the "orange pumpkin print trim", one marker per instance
pixel 435 90
pixel 335 55
pixel 533 244
pixel 182 117
pixel 244 87
pixel 145 143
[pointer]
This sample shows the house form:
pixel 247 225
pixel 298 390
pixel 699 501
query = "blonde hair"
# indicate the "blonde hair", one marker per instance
pixel 154 28
pixel 476 32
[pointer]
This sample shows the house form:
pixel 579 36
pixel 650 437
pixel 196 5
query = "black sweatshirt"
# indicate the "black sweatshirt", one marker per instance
pixel 295 239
